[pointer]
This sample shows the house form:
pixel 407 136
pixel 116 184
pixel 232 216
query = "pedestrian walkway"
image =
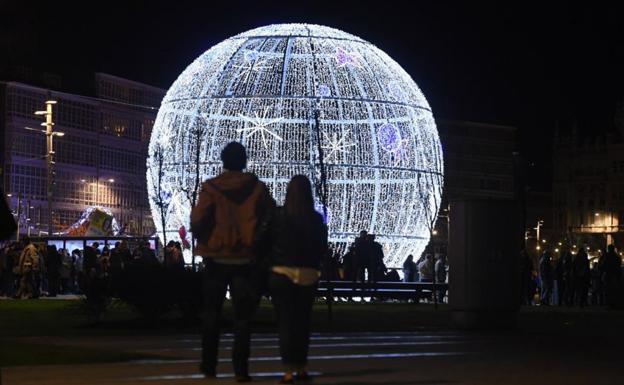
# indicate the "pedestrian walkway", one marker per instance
pixel 329 354
pixel 347 358
pixel 57 297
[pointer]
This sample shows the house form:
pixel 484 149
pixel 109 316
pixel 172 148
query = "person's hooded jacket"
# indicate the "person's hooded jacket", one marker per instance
pixel 227 214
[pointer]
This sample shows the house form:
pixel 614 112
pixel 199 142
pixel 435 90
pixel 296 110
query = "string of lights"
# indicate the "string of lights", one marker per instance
pixel 312 100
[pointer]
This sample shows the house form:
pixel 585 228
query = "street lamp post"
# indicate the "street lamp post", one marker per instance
pixel 50 134
pixel 540 223
pixel 19 214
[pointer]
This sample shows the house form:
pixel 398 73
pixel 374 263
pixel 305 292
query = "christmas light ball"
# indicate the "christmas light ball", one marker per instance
pixel 300 96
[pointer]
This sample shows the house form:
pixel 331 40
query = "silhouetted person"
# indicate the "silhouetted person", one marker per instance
pixel 125 253
pixel 348 264
pixel 330 267
pixel 116 260
pixel 597 288
pixel 360 257
pixel 426 269
pixel 116 269
pixel 90 260
pixel 568 279
pixel 392 275
pixel 612 273
pixel 409 269
pixel 53 267
pixel 299 242
pixel 104 261
pixel 173 256
pixel 11 259
pixel 29 267
pixel 225 220
pixel 562 278
pixel 581 276
pixel 376 267
pixel 89 279
pixel 440 275
pixel 146 256
pixel 546 275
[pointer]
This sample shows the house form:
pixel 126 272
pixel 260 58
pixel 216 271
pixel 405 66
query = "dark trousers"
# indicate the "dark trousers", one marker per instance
pixel 581 290
pixel 293 305
pixel 53 284
pixel 546 293
pixel 217 278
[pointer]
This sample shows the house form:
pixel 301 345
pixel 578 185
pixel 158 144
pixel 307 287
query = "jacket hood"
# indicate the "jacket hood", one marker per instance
pixel 236 186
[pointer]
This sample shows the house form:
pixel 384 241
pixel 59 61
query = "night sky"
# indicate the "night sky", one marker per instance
pixel 526 65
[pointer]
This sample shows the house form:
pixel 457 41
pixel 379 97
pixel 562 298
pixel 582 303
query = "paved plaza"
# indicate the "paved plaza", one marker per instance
pixel 425 357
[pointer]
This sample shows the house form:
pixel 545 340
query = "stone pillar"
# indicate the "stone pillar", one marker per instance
pixel 484 282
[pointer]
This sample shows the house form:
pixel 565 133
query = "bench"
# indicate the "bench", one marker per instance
pixel 414 291
pixel 390 290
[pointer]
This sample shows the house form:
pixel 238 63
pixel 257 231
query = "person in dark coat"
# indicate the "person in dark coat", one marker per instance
pixel 299 241
pixel 11 258
pixel 348 264
pixel 376 266
pixel 90 260
pixel 53 267
pixel 546 275
pixel 562 278
pixel 116 260
pixel 409 269
pixel 361 256
pixel 147 256
pixel 597 289
pixel 612 277
pixel 581 276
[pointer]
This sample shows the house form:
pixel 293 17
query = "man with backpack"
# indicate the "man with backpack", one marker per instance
pixel 224 222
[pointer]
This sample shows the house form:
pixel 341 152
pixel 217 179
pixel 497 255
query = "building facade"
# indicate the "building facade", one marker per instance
pixel 478 164
pixel 588 189
pixel 100 160
pixel 478 159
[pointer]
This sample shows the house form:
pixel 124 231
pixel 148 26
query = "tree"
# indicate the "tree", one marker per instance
pixel 430 199
pixel 190 171
pixel 160 197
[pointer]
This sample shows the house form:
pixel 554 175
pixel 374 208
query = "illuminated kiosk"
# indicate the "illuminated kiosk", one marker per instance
pixel 304 99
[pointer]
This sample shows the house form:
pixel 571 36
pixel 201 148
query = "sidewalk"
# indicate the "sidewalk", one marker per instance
pixel 59 296
pixel 354 358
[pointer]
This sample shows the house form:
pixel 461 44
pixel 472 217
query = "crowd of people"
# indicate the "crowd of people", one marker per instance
pixel 364 262
pixel 29 270
pixel 572 280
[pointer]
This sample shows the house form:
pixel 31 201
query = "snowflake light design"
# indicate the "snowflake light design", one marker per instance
pixel 345 58
pixel 252 65
pixel 335 145
pixel 260 124
pixel 276 89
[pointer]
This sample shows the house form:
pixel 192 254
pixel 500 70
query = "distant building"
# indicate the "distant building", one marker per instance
pixel 478 159
pixel 478 163
pixel 588 188
pixel 100 161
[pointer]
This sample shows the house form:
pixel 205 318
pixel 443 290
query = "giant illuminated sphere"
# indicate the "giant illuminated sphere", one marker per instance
pixel 293 93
